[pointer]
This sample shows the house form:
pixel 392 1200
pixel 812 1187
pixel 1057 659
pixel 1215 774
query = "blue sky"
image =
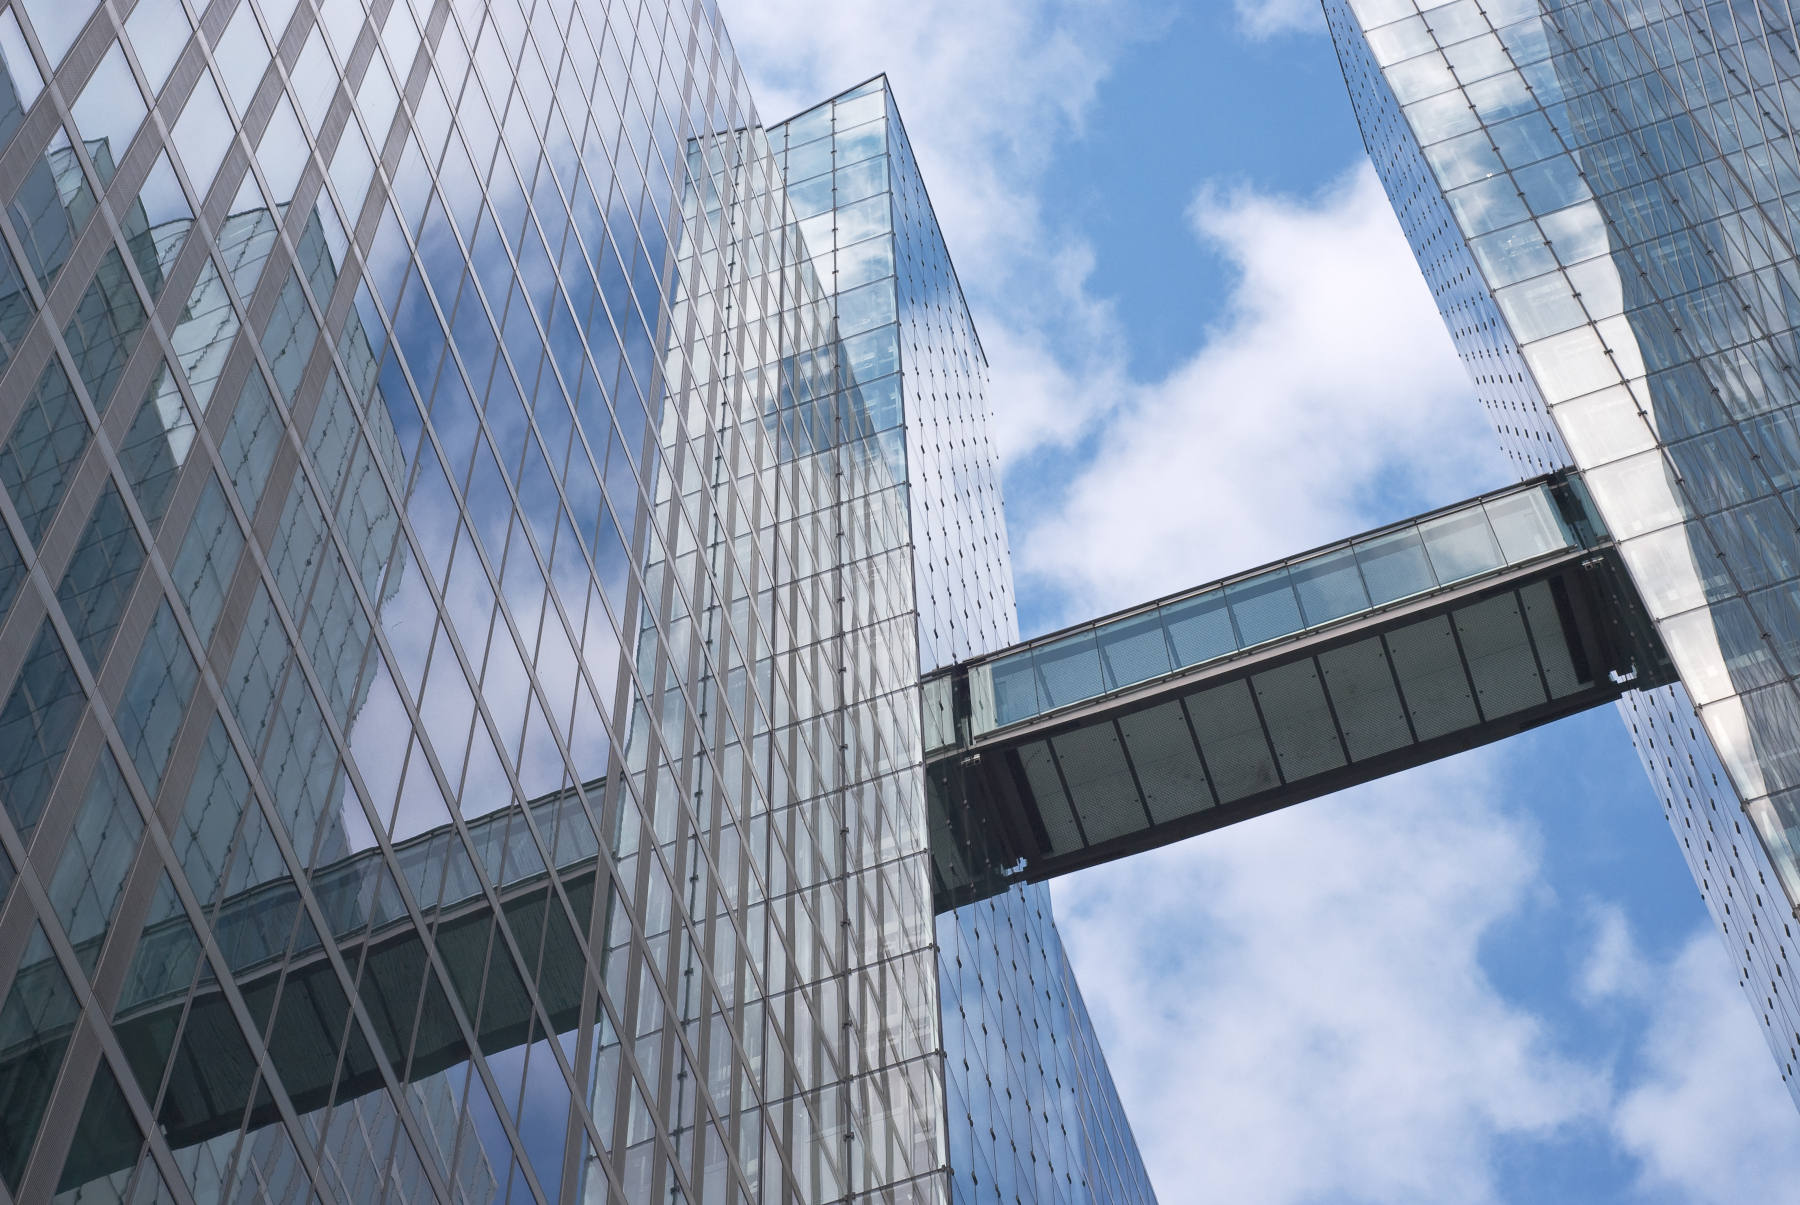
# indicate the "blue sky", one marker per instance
pixel 1490 979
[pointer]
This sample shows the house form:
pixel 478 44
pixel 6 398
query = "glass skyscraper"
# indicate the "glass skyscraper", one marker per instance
pixel 494 537
pixel 1602 195
pixel 478 503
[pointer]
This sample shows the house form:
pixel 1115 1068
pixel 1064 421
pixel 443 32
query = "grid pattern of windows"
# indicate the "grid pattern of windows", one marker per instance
pixel 1613 186
pixel 502 498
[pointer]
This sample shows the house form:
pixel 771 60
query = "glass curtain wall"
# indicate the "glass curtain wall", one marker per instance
pixel 1031 1110
pixel 1602 195
pixel 374 544
pixel 467 542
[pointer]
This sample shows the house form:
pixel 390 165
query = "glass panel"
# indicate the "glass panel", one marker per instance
pixel 108 113
pixel 1264 607
pixel 39 456
pixel 15 307
pixel 35 1024
pixel 35 726
pixel 1015 689
pixel 1514 254
pixel 204 332
pixel 159 30
pixel 208 558
pixel 982 714
pixel 149 713
pixel 106 1143
pixel 203 133
pixel 105 328
pixel 1068 671
pixel 100 576
pixel 1330 587
pixel 1199 628
pixel 12 571
pixel 1641 491
pixel 15 57
pixel 288 341
pixel 58 24
pixel 242 55
pixel 157 223
pixel 157 445
pixel 940 723
pixel 95 861
pixel 1460 545
pixel 1394 566
pixel 1133 650
pixel 1526 525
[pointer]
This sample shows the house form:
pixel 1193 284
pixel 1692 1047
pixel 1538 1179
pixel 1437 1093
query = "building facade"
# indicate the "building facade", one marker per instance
pixel 477 505
pixel 1602 196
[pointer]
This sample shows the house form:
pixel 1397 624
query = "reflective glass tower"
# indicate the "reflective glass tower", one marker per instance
pixel 477 507
pixel 1603 197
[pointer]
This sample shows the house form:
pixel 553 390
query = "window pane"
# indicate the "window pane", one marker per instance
pixel 1330 587
pixel 35 1024
pixel 1199 628
pixel 101 574
pixel 107 1141
pixel 1264 607
pixel 1460 545
pixel 1068 671
pixel 39 456
pixel 1133 650
pixel 35 726
pixel 95 861
pixel 1394 566
pixel 1526 526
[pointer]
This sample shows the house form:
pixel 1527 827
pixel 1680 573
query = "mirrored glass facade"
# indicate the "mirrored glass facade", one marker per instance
pixel 1602 195
pixel 476 506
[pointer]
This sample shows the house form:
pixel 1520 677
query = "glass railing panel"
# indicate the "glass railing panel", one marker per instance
pixel 1403 563
pixel 1199 628
pixel 1330 587
pixel 1014 689
pixel 1264 607
pixel 1068 671
pixel 1133 650
pixel 1461 545
pixel 1394 566
pixel 1527 526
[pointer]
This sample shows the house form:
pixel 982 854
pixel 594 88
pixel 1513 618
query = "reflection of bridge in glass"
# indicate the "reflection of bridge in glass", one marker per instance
pixel 213 1072
pixel 1349 663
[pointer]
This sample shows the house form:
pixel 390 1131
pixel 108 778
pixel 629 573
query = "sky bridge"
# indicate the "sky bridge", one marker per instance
pixel 1344 664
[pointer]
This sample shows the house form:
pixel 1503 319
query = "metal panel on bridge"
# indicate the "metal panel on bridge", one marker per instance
pixel 1381 653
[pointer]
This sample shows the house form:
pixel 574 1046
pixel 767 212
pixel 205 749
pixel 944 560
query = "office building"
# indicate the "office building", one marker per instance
pixel 478 504
pixel 1602 197
pixel 509 680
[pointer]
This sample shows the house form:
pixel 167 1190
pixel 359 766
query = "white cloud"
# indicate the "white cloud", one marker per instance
pixel 1330 389
pixel 1614 967
pixel 1295 1009
pixel 1706 1114
pixel 1268 18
